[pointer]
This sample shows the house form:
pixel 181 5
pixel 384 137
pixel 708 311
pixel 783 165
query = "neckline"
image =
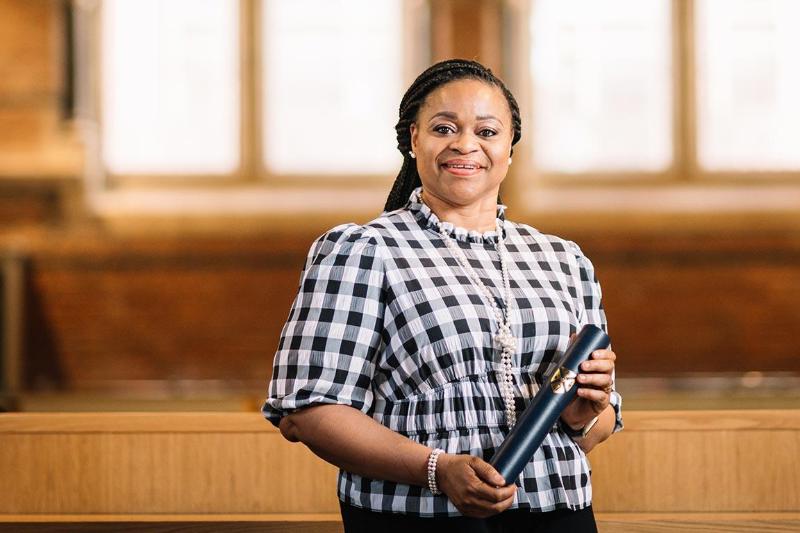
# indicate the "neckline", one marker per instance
pixel 429 220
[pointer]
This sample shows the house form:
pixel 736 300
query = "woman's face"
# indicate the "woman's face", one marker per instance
pixel 462 140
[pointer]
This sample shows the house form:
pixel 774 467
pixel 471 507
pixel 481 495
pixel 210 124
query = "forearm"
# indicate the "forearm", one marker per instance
pixel 601 430
pixel 351 440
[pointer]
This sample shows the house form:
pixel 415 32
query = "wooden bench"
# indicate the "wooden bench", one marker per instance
pixel 668 470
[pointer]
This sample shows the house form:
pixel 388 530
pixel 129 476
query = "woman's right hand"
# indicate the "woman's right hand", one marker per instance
pixel 473 485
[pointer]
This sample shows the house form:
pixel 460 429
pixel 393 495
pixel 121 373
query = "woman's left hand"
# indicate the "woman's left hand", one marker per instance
pixel 595 383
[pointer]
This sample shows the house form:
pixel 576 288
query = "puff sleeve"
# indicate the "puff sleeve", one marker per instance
pixel 328 346
pixel 591 311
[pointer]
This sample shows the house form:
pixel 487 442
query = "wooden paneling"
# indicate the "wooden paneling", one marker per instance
pixel 467 29
pixel 204 525
pixel 29 66
pixel 27 47
pixel 165 524
pixel 27 206
pixel 162 309
pixel 699 302
pixel 40 158
pixel 667 471
pixel 700 462
pixel 104 310
pixel 181 464
pixel 698 522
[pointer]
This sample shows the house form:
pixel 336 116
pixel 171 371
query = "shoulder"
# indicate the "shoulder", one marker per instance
pixel 349 233
pixel 393 221
pixel 543 242
pixel 394 229
pixel 391 229
pixel 387 223
pixel 571 259
pixel 344 239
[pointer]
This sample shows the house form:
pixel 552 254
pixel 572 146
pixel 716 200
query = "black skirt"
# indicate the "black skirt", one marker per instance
pixel 357 520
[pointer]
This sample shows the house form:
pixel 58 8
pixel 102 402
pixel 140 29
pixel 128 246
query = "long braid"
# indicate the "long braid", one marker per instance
pixel 433 78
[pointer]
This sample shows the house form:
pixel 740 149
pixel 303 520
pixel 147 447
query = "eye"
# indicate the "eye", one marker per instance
pixel 444 129
pixel 486 132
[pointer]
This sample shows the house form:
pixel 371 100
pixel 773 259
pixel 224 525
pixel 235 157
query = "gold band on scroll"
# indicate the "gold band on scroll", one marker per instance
pixel 563 379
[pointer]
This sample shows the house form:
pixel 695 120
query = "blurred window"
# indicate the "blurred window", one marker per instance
pixel 675 89
pixel 170 86
pixel 601 74
pixel 249 89
pixel 332 85
pixel 748 82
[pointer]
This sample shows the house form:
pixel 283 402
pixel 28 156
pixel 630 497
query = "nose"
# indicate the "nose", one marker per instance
pixel 464 142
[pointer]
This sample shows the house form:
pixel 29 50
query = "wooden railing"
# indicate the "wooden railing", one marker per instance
pixel 709 470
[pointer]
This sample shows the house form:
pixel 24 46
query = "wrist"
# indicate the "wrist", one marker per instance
pixel 579 431
pixel 572 422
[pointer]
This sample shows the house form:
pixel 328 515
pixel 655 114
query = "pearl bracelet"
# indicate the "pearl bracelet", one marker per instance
pixel 432 458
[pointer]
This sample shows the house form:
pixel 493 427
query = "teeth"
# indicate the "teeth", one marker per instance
pixel 462 166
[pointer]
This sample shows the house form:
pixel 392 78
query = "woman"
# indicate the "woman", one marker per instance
pixel 416 339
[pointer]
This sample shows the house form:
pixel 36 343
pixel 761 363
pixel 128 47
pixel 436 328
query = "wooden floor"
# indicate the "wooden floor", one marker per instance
pixel 331 523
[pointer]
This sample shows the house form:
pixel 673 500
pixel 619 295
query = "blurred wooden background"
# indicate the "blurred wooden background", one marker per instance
pixel 96 303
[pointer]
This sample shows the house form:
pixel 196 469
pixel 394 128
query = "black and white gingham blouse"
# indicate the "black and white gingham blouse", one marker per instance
pixel 388 322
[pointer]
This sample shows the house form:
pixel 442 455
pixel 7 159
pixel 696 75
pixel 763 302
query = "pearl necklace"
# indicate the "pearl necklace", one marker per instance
pixel 504 338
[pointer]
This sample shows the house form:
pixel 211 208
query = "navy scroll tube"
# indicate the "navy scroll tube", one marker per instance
pixel 557 391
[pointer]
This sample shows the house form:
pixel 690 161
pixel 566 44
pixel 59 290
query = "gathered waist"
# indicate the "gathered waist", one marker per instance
pixel 466 404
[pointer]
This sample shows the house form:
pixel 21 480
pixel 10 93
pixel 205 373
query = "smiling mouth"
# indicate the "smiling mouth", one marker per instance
pixel 467 167
pixel 462 166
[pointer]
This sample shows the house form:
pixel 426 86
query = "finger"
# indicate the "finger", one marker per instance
pixel 486 509
pixel 501 494
pixel 488 496
pixel 487 473
pixel 485 490
pixel 604 354
pixel 508 492
pixel 604 366
pixel 599 397
pixel 499 507
pixel 505 504
pixel 599 381
pixel 485 495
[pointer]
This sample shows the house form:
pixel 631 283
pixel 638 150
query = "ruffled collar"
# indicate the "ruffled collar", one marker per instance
pixel 429 220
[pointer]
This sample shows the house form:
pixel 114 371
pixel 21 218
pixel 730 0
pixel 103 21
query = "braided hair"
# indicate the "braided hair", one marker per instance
pixel 434 77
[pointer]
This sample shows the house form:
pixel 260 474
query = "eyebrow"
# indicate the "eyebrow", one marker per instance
pixel 453 116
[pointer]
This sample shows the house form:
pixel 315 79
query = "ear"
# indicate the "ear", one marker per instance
pixel 414 134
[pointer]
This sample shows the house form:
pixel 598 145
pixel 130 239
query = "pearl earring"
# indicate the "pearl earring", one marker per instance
pixel 509 161
pixel 412 154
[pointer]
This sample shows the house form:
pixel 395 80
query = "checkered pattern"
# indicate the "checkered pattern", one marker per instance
pixel 386 321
